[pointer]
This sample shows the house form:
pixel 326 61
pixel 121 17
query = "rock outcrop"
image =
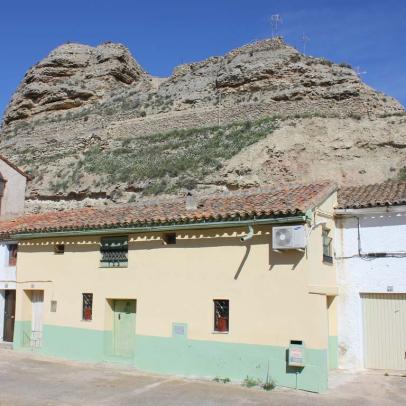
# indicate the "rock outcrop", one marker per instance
pixel 73 75
pixel 85 114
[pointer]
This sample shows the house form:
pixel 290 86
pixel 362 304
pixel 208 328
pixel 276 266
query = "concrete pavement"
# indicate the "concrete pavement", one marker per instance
pixel 28 379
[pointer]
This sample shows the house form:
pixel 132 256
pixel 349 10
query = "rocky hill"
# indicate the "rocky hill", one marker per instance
pixel 93 127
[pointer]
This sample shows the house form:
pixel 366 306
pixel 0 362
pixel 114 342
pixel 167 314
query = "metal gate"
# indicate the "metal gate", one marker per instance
pixel 384 330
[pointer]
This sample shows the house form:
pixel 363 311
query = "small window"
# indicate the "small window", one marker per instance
pixel 327 246
pixel 221 315
pixel 59 249
pixel 169 238
pixel 87 306
pixel 114 252
pixel 12 254
pixel 54 304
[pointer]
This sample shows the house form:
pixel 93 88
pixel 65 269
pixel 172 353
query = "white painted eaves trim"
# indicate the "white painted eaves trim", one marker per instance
pixel 371 210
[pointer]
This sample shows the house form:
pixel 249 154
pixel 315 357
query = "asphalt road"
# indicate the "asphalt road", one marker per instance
pixel 27 379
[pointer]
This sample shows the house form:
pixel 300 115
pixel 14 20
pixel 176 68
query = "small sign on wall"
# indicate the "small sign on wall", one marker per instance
pixel 179 330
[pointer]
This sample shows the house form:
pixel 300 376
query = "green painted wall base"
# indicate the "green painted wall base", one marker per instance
pixel 333 352
pixel 186 357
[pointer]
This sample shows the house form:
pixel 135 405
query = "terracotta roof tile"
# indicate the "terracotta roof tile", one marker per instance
pixel 391 193
pixel 268 202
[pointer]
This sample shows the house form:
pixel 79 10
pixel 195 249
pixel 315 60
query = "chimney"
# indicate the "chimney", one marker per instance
pixel 191 202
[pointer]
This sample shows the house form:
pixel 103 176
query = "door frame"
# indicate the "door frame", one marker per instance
pixel 114 325
pixel 36 335
pixel 8 327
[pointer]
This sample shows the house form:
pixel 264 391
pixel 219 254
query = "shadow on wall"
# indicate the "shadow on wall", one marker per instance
pixel 376 220
pixel 79 245
pixel 244 260
pixel 287 258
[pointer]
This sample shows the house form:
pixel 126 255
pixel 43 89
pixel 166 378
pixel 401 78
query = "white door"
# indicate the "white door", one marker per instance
pixel 37 300
pixel 384 329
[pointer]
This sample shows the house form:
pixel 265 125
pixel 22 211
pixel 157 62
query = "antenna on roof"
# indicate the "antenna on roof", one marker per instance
pixel 305 40
pixel 358 71
pixel 276 20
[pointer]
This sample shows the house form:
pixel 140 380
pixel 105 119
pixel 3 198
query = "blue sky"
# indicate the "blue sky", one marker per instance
pixel 161 34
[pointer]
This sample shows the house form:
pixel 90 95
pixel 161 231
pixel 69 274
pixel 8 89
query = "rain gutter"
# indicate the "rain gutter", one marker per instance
pixel 160 228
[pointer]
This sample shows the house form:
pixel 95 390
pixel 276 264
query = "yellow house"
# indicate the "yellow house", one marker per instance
pixel 233 285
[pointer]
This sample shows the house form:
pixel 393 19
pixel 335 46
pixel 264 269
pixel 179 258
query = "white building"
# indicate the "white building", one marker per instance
pixel 371 269
pixel 13 183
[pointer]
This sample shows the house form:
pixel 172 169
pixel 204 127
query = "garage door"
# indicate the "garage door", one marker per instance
pixel 384 328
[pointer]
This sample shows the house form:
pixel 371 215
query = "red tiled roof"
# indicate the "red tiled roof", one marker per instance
pixel 391 193
pixel 231 206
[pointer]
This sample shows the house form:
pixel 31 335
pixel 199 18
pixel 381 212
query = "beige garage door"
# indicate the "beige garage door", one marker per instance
pixel 384 328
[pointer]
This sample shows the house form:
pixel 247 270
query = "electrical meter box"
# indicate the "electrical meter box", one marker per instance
pixel 296 353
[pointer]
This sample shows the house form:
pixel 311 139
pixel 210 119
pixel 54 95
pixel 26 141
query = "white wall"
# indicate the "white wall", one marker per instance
pixel 2 302
pixel 7 273
pixel 379 232
pixel 14 193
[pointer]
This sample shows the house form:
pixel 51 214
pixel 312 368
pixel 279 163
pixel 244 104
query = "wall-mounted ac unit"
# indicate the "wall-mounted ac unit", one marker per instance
pixel 288 237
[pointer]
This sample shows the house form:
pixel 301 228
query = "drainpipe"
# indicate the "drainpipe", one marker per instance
pixel 249 235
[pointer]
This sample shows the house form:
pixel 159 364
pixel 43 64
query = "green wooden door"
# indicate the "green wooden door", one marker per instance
pixel 124 328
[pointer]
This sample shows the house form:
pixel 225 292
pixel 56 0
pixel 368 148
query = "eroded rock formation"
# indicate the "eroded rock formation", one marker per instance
pixel 84 114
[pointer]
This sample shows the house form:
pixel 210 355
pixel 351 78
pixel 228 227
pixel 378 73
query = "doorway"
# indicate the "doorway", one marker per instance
pixel 37 309
pixel 332 332
pixel 9 315
pixel 384 330
pixel 124 328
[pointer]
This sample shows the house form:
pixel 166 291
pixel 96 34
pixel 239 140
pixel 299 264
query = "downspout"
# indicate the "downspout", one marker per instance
pixel 249 235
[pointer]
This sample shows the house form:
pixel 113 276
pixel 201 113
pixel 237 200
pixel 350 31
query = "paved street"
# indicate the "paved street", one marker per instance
pixel 27 379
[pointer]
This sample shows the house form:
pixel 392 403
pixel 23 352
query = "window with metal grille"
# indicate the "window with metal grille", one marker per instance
pixel 12 254
pixel 327 246
pixel 87 306
pixel 221 315
pixel 114 252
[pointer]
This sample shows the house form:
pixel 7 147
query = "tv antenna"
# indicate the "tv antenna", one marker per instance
pixel 305 40
pixel 359 72
pixel 276 20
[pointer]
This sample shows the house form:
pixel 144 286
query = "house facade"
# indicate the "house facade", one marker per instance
pixel 371 269
pixel 194 290
pixel 12 195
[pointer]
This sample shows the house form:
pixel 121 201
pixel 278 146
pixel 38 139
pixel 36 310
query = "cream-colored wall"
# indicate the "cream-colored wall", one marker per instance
pixel 268 291
pixel 14 193
pixel 322 275
pixel 332 315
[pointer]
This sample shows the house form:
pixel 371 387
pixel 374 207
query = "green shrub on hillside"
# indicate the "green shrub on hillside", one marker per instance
pixel 176 159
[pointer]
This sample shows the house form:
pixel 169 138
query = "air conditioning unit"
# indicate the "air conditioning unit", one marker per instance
pixel 288 237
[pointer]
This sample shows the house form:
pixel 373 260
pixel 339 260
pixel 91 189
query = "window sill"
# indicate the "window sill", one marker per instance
pixel 220 332
pixel 113 267
pixel 86 321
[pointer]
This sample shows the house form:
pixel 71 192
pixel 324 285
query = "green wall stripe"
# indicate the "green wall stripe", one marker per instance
pixel 186 357
pixel 333 352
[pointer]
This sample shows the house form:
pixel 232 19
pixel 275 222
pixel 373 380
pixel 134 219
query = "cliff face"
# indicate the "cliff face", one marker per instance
pixel 89 122
pixel 72 76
